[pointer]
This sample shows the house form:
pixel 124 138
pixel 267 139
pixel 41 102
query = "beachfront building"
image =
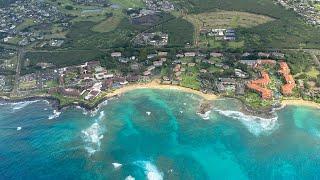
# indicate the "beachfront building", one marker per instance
pixel 259 86
pixel 287 88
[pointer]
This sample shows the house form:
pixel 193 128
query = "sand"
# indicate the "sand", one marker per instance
pixel 300 102
pixel 156 85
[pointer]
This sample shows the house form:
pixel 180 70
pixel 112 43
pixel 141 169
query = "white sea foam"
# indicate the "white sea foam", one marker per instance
pixel 116 165
pixel 150 170
pixel 20 105
pixel 205 116
pixel 55 114
pixel 256 125
pixel 130 178
pixel 96 110
pixel 92 136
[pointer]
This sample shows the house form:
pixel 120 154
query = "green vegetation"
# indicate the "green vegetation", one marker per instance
pixel 129 3
pixel 82 37
pixel 180 31
pixel 109 24
pixel 288 30
pixel 25 24
pixel 299 61
pixel 60 58
pixel 190 78
pixel 254 100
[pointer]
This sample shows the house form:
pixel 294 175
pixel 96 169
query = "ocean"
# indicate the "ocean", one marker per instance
pixel 157 134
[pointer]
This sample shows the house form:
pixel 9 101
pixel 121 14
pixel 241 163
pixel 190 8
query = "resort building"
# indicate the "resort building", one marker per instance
pixel 287 88
pixel 259 86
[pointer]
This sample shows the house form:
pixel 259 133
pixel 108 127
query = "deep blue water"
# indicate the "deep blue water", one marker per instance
pixel 157 135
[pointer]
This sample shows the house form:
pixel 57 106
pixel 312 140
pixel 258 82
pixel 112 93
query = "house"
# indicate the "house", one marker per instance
pixel 116 54
pixel 92 94
pixel 179 55
pixel 239 73
pixel 191 64
pixel 240 89
pixel 132 78
pixel 151 56
pixel 147 73
pixel 150 68
pixel 270 62
pixel 157 63
pixel 249 62
pixel 162 53
pixel 203 71
pixel 262 54
pixel 189 54
pixel 70 92
pixel 107 84
pixel 216 55
pixel 277 55
pixel 134 66
pixel 177 68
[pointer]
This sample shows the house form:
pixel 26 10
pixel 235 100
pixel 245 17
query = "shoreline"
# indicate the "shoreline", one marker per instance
pixel 55 103
pixel 300 102
pixel 156 85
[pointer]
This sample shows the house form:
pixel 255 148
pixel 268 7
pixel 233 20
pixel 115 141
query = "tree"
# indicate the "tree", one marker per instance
pixel 68 7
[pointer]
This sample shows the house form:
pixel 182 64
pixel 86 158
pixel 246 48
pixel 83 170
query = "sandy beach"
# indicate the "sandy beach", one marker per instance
pixel 300 102
pixel 156 85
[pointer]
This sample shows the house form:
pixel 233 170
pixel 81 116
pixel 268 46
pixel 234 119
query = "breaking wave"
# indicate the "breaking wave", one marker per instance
pixel 92 136
pixel 150 170
pixel 20 105
pixel 256 125
pixel 116 165
pixel 205 116
pixel 55 114
pixel 130 178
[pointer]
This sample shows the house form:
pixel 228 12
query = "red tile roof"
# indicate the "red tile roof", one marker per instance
pixel 258 86
pixel 287 88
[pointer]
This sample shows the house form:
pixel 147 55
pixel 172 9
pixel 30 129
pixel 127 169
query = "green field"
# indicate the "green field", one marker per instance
pixel 287 30
pixel 180 31
pixel 60 58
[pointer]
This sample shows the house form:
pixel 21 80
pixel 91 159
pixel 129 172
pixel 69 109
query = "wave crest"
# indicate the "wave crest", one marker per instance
pixel 150 170
pixel 93 135
pixel 256 125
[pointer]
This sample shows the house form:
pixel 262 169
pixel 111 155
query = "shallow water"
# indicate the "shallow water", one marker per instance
pixel 157 134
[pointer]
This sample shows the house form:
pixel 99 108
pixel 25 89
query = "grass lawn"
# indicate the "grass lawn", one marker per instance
pixel 235 44
pixel 51 83
pixel 26 23
pixel 190 78
pixel 109 24
pixel 317 6
pixel 129 3
pixel 28 85
pixel 254 100
pixel 313 72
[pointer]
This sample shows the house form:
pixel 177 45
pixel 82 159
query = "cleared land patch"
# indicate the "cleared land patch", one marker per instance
pixel 225 19
pixel 108 25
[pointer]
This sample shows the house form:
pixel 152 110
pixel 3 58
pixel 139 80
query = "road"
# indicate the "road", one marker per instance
pixel 314 53
pixel 20 54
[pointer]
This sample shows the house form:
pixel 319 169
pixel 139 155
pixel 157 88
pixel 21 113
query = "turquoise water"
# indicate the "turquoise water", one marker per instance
pixel 153 134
